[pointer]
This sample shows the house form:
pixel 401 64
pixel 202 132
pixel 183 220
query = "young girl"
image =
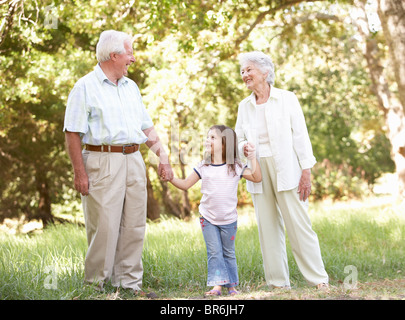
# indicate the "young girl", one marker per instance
pixel 220 172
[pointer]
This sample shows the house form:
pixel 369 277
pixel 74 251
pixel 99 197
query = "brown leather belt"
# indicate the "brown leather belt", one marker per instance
pixel 127 149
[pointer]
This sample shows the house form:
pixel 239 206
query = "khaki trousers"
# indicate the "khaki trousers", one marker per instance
pixel 115 218
pixel 274 210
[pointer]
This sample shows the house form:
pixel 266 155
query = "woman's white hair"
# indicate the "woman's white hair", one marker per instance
pixel 263 62
pixel 111 41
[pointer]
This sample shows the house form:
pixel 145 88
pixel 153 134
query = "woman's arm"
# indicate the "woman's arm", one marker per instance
pixel 185 184
pixel 300 137
pixel 254 174
pixel 302 147
pixel 241 138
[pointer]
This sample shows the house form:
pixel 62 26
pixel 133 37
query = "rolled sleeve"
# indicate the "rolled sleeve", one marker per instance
pixel 146 119
pixel 76 115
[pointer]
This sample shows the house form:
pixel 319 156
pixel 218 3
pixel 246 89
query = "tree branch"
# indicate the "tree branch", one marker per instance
pixel 262 15
pixel 8 18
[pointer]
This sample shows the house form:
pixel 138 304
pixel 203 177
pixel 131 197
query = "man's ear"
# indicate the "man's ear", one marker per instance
pixel 113 56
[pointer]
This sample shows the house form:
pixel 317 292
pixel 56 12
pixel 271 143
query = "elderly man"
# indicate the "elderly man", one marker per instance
pixel 105 113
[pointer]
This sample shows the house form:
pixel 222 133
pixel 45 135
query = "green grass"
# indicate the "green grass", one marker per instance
pixel 369 236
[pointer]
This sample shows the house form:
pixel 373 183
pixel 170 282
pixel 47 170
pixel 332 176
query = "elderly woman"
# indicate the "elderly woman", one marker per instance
pixel 272 120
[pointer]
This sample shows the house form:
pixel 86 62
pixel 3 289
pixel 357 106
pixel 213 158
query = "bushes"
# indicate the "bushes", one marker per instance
pixel 338 182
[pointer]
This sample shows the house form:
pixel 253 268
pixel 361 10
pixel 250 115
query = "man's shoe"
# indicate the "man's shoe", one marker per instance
pixel 149 295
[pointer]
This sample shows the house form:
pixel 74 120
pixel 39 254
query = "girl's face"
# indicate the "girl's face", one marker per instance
pixel 213 143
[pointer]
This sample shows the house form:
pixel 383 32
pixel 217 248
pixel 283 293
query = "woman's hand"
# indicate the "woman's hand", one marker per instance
pixel 304 187
pixel 249 150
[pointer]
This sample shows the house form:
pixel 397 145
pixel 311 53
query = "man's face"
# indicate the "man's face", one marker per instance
pixel 124 60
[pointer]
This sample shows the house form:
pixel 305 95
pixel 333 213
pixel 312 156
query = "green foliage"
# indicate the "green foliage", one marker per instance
pixel 187 69
pixel 319 59
pixel 337 182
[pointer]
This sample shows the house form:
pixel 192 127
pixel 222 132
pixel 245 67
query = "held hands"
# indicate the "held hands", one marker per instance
pixel 165 171
pixel 249 151
pixel 82 181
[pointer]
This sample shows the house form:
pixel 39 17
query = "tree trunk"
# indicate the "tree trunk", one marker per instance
pixel 153 207
pixel 179 210
pixel 171 207
pixel 185 207
pixel 44 203
pixel 391 106
pixel 392 17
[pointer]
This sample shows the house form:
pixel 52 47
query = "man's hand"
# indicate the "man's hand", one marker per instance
pixel 82 183
pixel 165 171
pixel 74 148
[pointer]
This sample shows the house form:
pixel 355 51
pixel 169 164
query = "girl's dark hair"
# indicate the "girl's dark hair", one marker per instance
pixel 229 148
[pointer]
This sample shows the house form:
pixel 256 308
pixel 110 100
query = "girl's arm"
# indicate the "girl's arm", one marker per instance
pixel 254 174
pixel 185 184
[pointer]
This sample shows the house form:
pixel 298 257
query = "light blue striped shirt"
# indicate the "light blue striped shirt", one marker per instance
pixel 105 113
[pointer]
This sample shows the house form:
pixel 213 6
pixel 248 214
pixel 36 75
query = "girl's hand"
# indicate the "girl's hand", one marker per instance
pixel 165 171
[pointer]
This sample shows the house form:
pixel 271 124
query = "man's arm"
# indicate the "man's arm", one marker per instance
pixel 74 148
pixel 165 170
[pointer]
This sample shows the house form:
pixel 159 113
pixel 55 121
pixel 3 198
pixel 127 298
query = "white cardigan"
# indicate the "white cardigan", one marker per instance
pixel 289 140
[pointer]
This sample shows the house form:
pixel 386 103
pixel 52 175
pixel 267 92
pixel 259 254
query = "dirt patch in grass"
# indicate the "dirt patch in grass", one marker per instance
pixel 376 290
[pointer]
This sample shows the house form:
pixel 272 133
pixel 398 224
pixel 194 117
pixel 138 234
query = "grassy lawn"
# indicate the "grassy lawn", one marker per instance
pixel 362 245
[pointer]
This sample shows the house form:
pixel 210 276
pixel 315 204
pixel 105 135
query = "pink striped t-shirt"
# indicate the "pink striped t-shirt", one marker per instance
pixel 220 192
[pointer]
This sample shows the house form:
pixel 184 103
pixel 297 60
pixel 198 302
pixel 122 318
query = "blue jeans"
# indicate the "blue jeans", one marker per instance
pixel 220 242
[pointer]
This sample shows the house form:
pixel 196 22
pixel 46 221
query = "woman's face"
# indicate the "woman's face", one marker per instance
pixel 252 76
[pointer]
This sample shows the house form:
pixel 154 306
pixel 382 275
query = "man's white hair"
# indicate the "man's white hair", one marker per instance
pixel 263 62
pixel 111 41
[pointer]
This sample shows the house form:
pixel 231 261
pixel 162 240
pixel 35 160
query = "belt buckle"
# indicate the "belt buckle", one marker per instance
pixel 123 148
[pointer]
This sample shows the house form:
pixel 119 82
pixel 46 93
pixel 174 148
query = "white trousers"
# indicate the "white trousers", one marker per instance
pixel 274 210
pixel 115 218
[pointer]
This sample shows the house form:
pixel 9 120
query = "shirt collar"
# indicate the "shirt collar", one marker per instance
pixel 102 77
pixel 274 94
pixel 217 165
